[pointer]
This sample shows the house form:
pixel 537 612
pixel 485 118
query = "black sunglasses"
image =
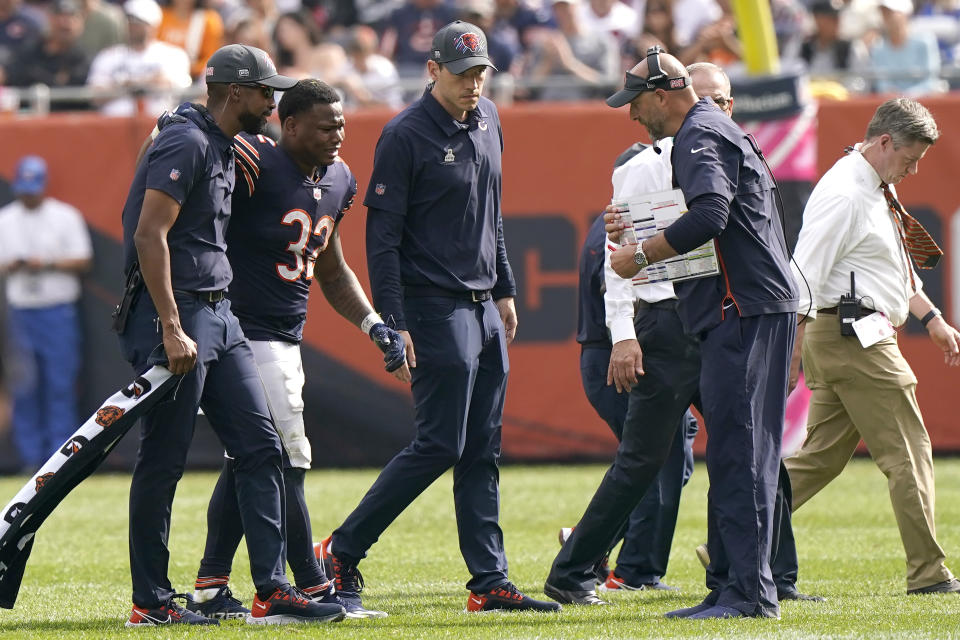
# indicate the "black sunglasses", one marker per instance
pixel 267 91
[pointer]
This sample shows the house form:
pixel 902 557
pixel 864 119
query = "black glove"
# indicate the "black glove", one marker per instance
pixel 391 343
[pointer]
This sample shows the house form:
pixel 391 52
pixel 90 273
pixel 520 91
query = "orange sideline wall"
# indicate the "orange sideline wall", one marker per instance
pixel 557 164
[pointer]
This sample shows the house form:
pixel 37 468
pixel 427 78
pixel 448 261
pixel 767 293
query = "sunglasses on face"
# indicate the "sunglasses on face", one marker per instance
pixel 267 91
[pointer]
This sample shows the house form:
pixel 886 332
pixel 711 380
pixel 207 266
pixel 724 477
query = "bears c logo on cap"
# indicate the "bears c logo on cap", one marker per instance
pixel 468 42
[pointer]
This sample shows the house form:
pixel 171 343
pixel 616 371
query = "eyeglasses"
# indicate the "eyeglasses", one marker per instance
pixel 267 91
pixel 722 102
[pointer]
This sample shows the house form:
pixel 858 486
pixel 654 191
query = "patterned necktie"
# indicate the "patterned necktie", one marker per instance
pixel 916 241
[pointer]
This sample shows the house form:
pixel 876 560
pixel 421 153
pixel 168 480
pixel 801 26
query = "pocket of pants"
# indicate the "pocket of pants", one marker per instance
pixel 430 310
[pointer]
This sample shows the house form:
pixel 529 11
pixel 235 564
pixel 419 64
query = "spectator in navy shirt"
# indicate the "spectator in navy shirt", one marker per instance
pixel 409 34
pixel 57 60
pixel 18 31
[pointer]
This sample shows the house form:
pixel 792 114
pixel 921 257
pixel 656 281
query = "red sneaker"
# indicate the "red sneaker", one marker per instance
pixel 167 613
pixel 507 597
pixel 288 605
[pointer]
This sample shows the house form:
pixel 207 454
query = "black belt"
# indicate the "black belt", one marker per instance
pixel 670 304
pixel 832 311
pixel 596 344
pixel 428 291
pixel 204 296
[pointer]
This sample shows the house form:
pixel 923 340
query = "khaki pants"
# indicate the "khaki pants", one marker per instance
pixel 870 394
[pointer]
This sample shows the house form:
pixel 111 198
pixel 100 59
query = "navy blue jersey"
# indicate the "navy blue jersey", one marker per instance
pixel 592 316
pixel 717 165
pixel 282 220
pixel 191 161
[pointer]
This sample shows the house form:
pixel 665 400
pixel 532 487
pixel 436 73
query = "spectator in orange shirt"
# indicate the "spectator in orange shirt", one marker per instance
pixel 197 30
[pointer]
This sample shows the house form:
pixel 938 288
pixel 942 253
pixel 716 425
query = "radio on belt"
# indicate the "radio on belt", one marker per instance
pixel 849 309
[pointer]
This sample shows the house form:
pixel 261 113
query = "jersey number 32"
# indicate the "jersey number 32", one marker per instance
pixel 322 229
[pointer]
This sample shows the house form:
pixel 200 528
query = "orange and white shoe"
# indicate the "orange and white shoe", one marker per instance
pixel 167 613
pixel 288 605
pixel 507 597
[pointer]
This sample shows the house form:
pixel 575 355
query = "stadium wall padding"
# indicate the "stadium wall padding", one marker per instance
pixel 557 164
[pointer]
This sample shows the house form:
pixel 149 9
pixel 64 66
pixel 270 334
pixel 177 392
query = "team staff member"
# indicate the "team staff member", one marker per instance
pixel 648 340
pixel 174 223
pixel 744 318
pixel 284 233
pixel 439 272
pixel 643 557
pixel 853 223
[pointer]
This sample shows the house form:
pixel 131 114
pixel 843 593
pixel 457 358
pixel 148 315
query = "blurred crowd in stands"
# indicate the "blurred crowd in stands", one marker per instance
pixel 373 51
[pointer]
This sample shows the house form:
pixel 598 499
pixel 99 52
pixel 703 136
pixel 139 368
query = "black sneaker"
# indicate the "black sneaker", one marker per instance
pixel 947 586
pixel 347 582
pixel 602 570
pixel 167 613
pixel 354 607
pixel 507 597
pixel 288 605
pixel 222 606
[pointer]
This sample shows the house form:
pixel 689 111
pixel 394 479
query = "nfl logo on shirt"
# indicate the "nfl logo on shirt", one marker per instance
pixel 175 174
pixel 380 188
pixel 317 193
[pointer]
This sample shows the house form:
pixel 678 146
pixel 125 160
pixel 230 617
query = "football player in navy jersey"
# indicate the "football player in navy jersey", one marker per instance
pixel 284 233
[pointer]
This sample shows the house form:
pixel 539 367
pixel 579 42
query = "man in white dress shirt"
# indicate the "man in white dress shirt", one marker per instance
pixel 143 65
pixel 851 225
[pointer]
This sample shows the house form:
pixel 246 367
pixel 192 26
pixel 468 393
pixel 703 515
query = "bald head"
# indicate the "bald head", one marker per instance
pixel 668 64
pixel 709 80
pixel 659 101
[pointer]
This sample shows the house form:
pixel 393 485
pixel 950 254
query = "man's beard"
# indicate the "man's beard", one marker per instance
pixel 252 123
pixel 655 129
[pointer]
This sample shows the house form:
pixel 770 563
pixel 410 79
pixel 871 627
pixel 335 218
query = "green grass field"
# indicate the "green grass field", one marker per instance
pixel 77 583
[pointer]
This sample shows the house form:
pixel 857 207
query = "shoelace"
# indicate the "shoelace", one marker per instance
pixel 508 590
pixel 175 609
pixel 348 577
pixel 228 596
pixel 295 596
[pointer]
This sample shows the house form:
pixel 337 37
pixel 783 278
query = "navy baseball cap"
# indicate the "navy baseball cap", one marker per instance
pixel 243 64
pixel 31 177
pixel 460 46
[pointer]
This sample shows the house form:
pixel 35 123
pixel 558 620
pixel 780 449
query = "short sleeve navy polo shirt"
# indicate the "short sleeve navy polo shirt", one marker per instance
pixel 192 162
pixel 443 178
pixel 713 159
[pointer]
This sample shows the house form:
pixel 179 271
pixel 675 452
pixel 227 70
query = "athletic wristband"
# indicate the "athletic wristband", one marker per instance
pixel 933 313
pixel 367 323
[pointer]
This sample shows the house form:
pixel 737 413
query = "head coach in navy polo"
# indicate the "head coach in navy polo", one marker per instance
pixel 745 318
pixel 174 224
pixel 439 274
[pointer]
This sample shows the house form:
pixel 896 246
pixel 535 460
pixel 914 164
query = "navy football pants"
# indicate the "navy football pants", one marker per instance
pixel 646 545
pixel 656 405
pixel 226 384
pixel 225 528
pixel 744 391
pixel 458 393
